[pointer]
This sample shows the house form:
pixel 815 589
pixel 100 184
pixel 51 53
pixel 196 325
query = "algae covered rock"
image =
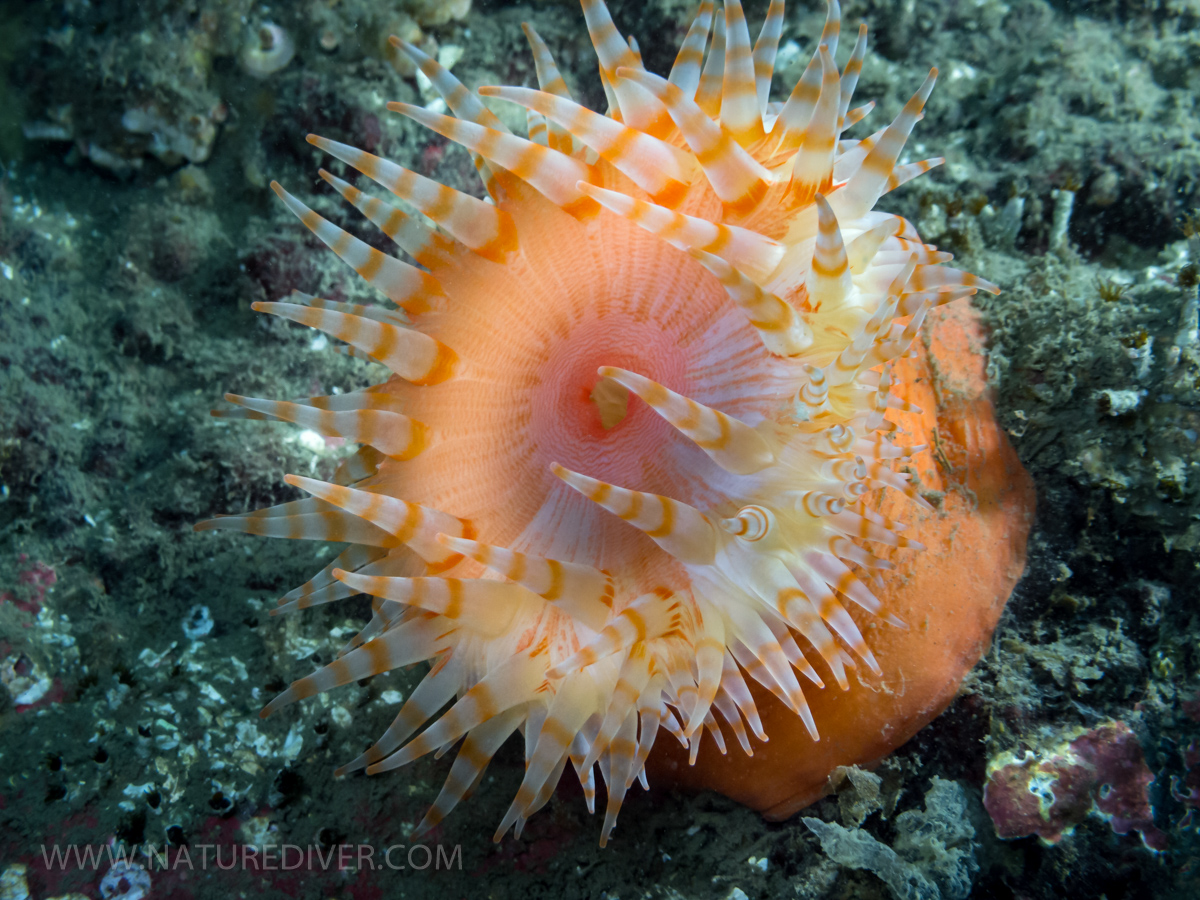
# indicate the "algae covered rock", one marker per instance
pixel 933 856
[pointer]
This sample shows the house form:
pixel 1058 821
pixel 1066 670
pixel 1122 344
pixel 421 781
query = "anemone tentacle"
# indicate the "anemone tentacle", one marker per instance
pixel 714 255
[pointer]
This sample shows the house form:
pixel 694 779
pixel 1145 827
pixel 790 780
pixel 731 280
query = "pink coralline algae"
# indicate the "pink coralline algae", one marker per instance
pixel 21 677
pixel 1099 772
pixel 39 578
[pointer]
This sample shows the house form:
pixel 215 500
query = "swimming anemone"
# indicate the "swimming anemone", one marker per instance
pixel 629 458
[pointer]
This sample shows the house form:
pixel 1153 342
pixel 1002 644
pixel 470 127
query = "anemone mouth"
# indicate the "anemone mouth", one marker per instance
pixel 638 401
pixel 539 397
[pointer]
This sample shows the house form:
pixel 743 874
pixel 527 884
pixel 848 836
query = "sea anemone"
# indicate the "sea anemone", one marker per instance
pixel 630 456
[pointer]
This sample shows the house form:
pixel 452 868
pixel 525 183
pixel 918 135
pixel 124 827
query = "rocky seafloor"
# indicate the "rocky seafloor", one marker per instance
pixel 136 228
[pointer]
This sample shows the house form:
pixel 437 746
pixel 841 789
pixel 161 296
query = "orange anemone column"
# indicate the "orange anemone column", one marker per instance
pixel 950 596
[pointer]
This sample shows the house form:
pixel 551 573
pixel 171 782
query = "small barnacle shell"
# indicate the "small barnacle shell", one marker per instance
pixel 752 523
pixel 269 51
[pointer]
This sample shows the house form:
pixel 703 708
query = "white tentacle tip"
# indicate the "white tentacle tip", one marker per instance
pixel 456 544
pixel 556 672
pixel 752 523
